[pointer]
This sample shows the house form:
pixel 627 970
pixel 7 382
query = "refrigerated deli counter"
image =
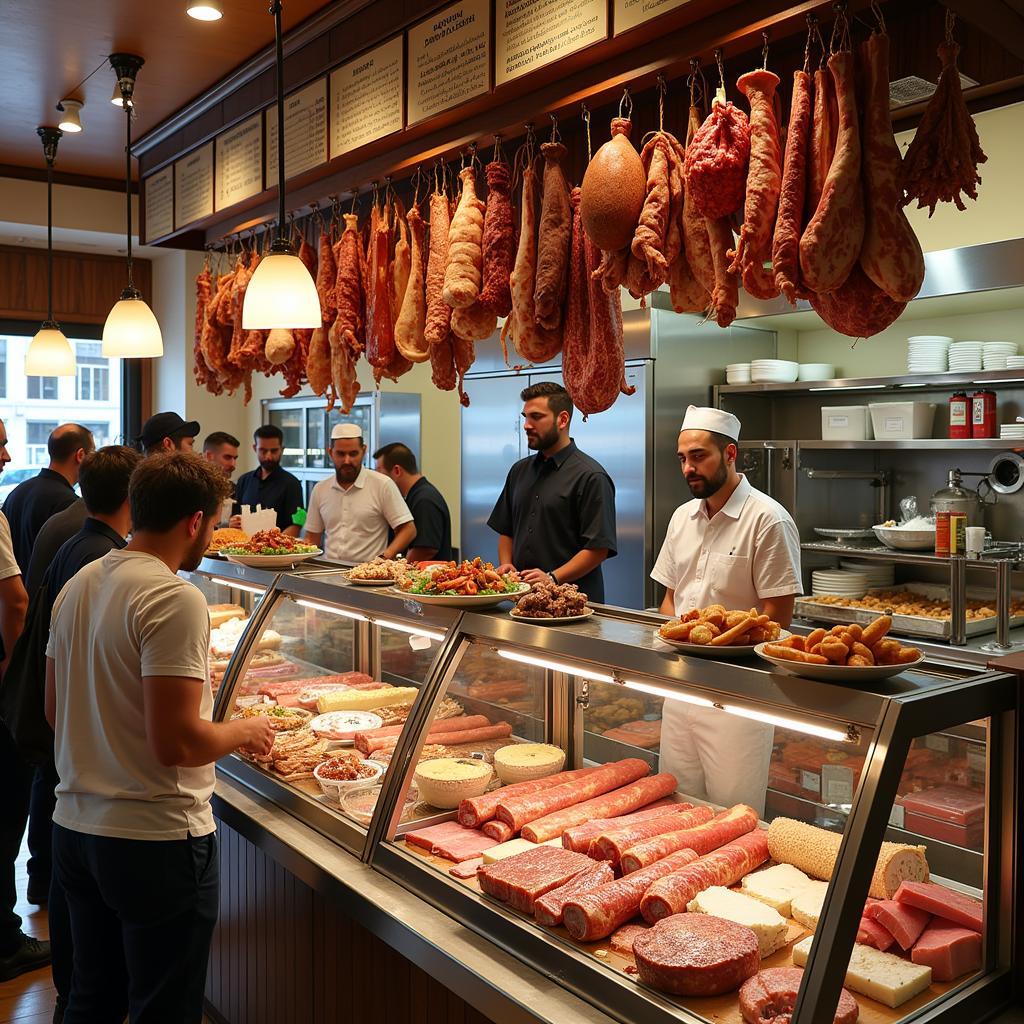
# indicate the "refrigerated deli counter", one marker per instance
pixel 344 891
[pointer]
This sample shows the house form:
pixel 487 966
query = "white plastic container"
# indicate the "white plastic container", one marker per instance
pixel 902 421
pixel 845 423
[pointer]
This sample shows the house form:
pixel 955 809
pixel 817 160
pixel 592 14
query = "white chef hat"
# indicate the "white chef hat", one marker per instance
pixel 346 430
pixel 718 422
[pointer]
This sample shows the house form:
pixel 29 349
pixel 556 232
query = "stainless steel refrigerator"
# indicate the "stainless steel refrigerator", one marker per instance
pixel 672 360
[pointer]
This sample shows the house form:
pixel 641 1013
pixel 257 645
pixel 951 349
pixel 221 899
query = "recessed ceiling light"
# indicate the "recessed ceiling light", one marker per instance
pixel 205 10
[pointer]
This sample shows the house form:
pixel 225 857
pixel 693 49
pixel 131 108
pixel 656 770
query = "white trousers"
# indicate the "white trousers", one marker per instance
pixel 717 757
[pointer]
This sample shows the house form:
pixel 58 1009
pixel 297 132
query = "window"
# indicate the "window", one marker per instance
pixel 102 433
pixel 42 387
pixel 3 367
pixel 36 434
pixel 93 372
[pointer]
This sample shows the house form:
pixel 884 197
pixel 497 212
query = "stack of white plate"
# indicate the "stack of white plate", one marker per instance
pixel 1012 431
pixel 927 353
pixel 966 356
pixel 737 373
pixel 816 371
pixel 879 574
pixel 996 353
pixel 839 583
pixel 1015 362
pixel 773 371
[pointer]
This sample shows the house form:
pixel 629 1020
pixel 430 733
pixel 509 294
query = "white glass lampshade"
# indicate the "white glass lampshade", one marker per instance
pixel 71 118
pixel 205 10
pixel 50 354
pixel 280 294
pixel 132 331
pixel 118 99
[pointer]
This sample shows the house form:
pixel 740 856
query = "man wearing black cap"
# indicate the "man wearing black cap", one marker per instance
pixel 168 432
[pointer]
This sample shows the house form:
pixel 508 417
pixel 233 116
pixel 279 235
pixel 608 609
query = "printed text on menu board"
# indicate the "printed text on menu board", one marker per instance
pixel 305 131
pixel 193 186
pixel 159 190
pixel 239 164
pixel 366 98
pixel 449 58
pixel 532 33
pixel 630 13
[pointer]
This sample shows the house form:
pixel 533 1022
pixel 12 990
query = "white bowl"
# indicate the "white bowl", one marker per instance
pixel 905 540
pixel 774 371
pixel 816 371
pixel 940 339
pixel 335 788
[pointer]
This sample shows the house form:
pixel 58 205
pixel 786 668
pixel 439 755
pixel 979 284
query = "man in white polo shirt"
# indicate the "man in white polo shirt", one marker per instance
pixel 734 546
pixel 355 507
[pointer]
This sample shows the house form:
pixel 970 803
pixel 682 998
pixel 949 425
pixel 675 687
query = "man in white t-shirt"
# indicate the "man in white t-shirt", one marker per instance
pixel 352 511
pixel 734 546
pixel 128 696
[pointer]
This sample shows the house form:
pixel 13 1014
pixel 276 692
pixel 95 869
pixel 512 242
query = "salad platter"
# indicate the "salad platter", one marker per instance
pixel 270 549
pixel 468 584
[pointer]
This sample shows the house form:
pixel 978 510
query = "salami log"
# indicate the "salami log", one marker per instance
pixel 364 740
pixel 499 240
pixel 598 913
pixel 725 866
pixel 479 809
pixel 579 837
pixel 614 842
pixel 789 224
pixel 518 810
pixel 439 314
pixel 548 909
pixel 442 362
pixel 380 324
pixel 553 241
pixel 447 737
pixel 498 830
pixel 620 801
pixel 726 296
pixel 703 838
pixel 576 325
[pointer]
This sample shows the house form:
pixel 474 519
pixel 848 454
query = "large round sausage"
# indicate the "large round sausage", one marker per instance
pixel 769 996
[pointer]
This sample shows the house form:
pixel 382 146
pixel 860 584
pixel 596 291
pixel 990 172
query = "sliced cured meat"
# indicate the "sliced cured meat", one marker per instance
pixel 696 955
pixel 579 837
pixel 522 879
pixel 598 913
pixel 770 995
pixel 620 801
pixel 613 842
pixel 948 949
pixel 942 902
pixel 623 938
pixel 701 838
pixel 450 840
pixel 498 830
pixel 726 866
pixel 901 920
pixel 790 222
pixel 519 809
pixel 467 869
pixel 871 933
pixel 478 809
pixel 548 909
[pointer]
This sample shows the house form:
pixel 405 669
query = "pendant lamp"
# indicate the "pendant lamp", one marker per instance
pixel 131 330
pixel 49 353
pixel 280 294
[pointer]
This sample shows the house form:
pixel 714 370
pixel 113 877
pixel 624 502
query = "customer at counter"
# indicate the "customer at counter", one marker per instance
pixel 426 503
pixel 269 486
pixel 734 546
pixel 555 517
pixel 351 511
pixel 128 696
pixel 221 448
pixel 168 432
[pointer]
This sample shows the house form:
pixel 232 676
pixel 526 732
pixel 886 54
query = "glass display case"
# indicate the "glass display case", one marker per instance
pixel 922 761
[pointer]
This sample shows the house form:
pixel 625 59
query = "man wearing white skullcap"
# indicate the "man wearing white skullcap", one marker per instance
pixel 734 546
pixel 355 507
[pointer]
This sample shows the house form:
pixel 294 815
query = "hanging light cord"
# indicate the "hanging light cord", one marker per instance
pixel 49 238
pixel 128 182
pixel 282 238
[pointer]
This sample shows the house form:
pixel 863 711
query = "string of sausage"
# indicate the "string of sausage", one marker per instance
pixel 786 243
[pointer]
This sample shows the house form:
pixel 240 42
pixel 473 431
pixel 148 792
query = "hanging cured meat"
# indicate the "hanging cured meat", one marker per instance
pixel 499 242
pixel 716 162
pixel 346 337
pixel 576 325
pixel 439 313
pixel 380 323
pixel 307 256
pixel 411 323
pixel 764 182
pixel 831 243
pixel 859 308
pixel 553 242
pixel 695 228
pixel 649 239
pixel 789 225
pixel 442 364
pixel 823 133
pixel 613 190
pixel 204 292
pixel 687 293
pixel 891 254
pixel 318 365
pixel 401 266
pixel 463 273
pixel 280 346
pixel 463 354
pixel 726 295
pixel 326 273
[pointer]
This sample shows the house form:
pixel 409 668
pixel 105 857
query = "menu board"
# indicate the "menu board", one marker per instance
pixel 630 13
pixel 305 131
pixel 193 186
pixel 239 164
pixel 532 33
pixel 366 98
pixel 159 192
pixel 449 58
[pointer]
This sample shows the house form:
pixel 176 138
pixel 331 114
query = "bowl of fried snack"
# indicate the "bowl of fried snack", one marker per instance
pixel 843 653
pixel 718 632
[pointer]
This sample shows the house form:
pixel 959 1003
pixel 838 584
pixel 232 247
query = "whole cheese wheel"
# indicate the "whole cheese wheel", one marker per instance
pixel 613 191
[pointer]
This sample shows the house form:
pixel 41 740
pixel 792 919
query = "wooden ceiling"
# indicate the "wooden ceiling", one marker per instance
pixel 49 46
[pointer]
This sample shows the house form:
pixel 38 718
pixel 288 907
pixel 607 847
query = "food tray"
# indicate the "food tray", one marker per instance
pixel 710 651
pixel 462 600
pixel 838 673
pixel 272 561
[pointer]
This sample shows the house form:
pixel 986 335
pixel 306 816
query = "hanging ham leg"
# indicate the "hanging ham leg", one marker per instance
pixel 553 242
pixel 695 228
pixel 439 313
pixel 726 296
pixel 409 330
pixel 788 226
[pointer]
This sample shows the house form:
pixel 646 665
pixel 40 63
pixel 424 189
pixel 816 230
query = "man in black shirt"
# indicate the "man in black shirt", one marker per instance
pixel 270 485
pixel 426 503
pixel 556 514
pixel 56 530
pixel 31 503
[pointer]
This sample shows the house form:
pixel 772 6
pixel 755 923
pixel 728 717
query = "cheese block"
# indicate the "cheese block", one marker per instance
pixel 776 886
pixel 514 846
pixel 881 976
pixel 805 907
pixel 365 700
pixel 767 924
pixel 446 781
pixel 524 762
pixel 221 613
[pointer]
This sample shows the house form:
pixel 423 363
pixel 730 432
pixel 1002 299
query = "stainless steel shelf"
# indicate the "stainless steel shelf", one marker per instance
pixel 902 557
pixel 915 382
pixel 918 444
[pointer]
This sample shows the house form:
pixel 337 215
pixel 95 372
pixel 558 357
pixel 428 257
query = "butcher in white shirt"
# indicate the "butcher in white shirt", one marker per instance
pixel 352 510
pixel 734 546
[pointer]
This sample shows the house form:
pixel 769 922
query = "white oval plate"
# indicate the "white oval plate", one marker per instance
pixel 707 651
pixel 838 673
pixel 462 600
pixel 356 721
pixel 552 622
pixel 357 582
pixel 272 561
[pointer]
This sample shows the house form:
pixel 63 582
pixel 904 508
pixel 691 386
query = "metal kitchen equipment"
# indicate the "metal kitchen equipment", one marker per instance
pixel 956 498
